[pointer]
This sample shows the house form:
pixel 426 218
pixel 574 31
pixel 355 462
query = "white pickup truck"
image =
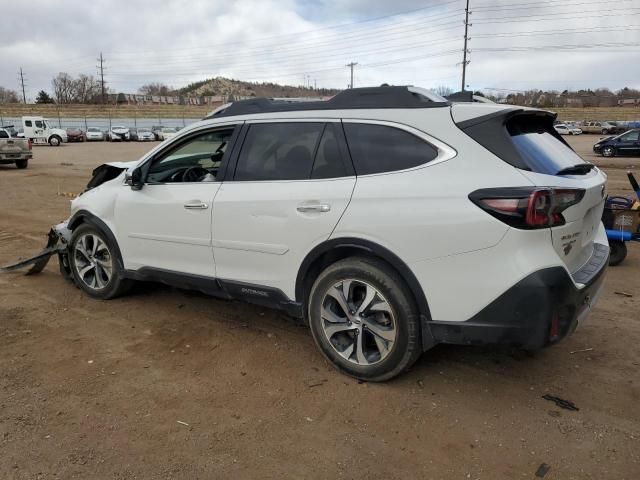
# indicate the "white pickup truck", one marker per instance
pixel 39 130
pixel 14 150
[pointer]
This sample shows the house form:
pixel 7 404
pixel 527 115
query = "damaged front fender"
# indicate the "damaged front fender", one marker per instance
pixel 57 242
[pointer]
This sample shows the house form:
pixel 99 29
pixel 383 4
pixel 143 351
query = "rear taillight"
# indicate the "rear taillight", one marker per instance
pixel 30 143
pixel 527 207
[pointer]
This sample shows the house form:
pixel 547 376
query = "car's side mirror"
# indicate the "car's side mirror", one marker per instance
pixel 134 179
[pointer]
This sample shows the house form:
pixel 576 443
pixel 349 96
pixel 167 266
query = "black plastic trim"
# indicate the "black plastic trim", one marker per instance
pixel 228 289
pixel 378 251
pixel 521 316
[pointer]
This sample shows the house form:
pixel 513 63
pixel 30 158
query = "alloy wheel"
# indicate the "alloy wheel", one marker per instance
pixel 93 261
pixel 358 322
pixel 608 152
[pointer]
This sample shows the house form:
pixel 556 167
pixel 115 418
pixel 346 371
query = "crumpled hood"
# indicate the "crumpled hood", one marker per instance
pixel 109 171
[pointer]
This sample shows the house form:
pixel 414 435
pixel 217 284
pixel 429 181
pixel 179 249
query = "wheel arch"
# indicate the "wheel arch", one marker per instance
pixel 337 249
pixel 82 217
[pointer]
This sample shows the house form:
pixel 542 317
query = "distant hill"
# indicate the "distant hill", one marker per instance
pixel 227 86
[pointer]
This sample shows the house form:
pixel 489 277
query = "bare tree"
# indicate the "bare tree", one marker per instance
pixel 85 89
pixel 8 96
pixel 443 90
pixel 63 88
pixel 156 88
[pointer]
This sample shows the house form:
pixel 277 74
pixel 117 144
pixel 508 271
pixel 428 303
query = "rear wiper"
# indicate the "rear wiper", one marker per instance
pixel 579 169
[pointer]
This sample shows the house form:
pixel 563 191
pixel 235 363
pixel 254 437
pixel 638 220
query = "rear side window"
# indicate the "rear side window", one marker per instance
pixel 379 148
pixel 278 151
pixel 329 162
pixel 3 134
pixel 27 123
pixel 540 150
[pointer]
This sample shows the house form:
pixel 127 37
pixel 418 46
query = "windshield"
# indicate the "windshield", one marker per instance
pixel 92 129
pixel 168 130
pixel 540 150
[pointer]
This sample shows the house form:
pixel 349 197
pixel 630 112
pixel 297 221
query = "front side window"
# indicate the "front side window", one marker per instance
pixel 630 136
pixel 196 160
pixel 39 124
pixel 380 148
pixel 278 151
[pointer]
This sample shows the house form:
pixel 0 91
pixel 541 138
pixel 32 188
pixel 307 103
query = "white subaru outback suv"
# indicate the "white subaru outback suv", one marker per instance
pixel 387 218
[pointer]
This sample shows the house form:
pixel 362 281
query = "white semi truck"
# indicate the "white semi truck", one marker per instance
pixel 39 130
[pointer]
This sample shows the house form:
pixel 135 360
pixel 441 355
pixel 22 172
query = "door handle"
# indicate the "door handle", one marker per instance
pixel 314 207
pixel 196 205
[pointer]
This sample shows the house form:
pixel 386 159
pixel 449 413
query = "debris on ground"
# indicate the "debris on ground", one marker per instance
pixel 624 294
pixel 583 350
pixel 542 470
pixel 183 423
pixel 561 402
pixel 67 194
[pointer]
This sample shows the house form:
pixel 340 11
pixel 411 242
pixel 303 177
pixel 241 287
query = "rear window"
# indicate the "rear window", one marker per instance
pixel 379 149
pixel 540 150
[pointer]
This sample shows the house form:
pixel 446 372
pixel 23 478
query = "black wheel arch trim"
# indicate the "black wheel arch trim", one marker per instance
pixel 83 216
pixel 381 252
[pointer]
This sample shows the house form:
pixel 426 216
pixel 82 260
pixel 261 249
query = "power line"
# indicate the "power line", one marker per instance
pixel 351 65
pixel 24 96
pixel 465 62
pixel 101 72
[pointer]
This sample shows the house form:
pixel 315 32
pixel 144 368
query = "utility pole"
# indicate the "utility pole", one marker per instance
pixel 351 65
pixel 465 62
pixel 24 96
pixel 101 71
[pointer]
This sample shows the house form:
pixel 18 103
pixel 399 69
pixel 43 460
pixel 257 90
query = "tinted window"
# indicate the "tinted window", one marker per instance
pixel 539 149
pixel 3 134
pixel 630 136
pixel 204 151
pixel 27 123
pixel 329 162
pixel 39 124
pixel 278 151
pixel 378 148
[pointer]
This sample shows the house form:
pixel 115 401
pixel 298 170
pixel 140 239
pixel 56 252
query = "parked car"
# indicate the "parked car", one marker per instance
pixel 144 135
pixel 40 131
pixel 157 132
pixel 601 128
pixel 564 129
pixel 169 132
pixel 118 133
pixel 627 143
pixel 14 150
pixel 388 228
pixel 94 134
pixel 11 131
pixel 75 134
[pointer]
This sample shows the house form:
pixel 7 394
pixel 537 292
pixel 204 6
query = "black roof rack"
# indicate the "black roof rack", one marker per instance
pixel 371 97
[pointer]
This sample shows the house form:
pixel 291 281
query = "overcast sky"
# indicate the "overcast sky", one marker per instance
pixel 515 44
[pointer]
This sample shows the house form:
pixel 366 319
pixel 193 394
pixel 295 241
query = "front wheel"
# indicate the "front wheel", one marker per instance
pixel 55 141
pixel 364 320
pixel 94 265
pixel 608 152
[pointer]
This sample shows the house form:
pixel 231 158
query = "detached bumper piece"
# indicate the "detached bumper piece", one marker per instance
pixel 57 242
pixel 539 310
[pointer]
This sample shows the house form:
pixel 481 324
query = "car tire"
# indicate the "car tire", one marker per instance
pixel 94 263
pixel 605 131
pixel 22 164
pixel 617 252
pixel 608 152
pixel 373 342
pixel 55 141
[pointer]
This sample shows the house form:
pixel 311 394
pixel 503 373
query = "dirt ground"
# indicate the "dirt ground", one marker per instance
pixel 166 383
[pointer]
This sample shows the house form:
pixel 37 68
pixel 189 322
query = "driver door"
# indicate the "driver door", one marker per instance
pixel 166 225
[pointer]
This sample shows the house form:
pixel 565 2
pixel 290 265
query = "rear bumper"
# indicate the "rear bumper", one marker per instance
pixel 539 310
pixel 5 160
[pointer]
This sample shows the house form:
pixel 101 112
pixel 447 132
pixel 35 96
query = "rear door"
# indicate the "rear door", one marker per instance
pixel 629 143
pixel 289 185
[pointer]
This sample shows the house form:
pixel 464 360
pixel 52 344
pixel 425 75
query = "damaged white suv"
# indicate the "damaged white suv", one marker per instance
pixel 388 218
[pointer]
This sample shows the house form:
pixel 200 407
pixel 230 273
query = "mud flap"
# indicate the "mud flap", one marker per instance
pixel 40 260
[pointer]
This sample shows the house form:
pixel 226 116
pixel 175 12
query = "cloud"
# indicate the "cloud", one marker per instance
pixel 294 42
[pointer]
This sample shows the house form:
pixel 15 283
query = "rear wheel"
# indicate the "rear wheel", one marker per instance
pixel 22 163
pixel 94 265
pixel 364 319
pixel 617 253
